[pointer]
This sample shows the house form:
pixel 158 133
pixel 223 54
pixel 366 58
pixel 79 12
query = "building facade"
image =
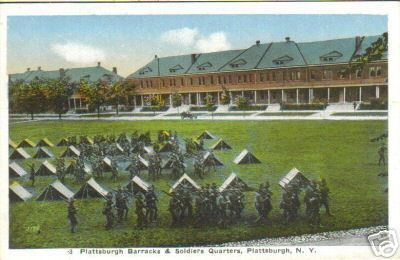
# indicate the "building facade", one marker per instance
pixel 281 72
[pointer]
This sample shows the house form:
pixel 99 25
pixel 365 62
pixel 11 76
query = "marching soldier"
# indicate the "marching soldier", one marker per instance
pixel 108 212
pixel 151 205
pixel 139 210
pixel 72 215
pixel 175 208
pixel 122 208
pixel 324 194
pixel 263 204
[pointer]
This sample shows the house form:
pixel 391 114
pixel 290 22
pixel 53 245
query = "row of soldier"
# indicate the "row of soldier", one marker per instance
pixel 210 206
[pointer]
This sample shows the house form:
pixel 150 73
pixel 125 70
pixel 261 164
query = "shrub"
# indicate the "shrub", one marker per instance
pixel 248 108
pixel 374 104
pixel 203 108
pixel 154 108
pixel 313 106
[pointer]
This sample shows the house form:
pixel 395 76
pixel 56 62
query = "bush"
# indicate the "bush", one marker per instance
pixel 313 106
pixel 154 108
pixel 374 104
pixel 81 110
pixel 203 108
pixel 248 108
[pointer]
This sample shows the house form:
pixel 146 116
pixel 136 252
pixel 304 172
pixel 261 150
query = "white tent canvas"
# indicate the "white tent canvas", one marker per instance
pixel 221 145
pixel 185 180
pixel 143 164
pixel 18 193
pixel 233 181
pixel 294 176
pixel 56 191
pixel 19 153
pixel 137 184
pixel 46 168
pixel 206 135
pixel 91 189
pixel 15 170
pixel 211 156
pixel 43 152
pixel 71 151
pixel 245 157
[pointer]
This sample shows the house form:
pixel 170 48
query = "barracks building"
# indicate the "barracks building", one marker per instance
pixel 267 73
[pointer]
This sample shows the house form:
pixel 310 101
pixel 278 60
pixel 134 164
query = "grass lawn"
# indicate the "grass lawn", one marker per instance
pixel 286 114
pixel 246 113
pixel 339 151
pixel 360 114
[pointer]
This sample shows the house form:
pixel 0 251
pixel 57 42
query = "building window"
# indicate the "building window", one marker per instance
pixel 151 83
pixel 182 82
pixel 273 76
pixel 230 79
pixel 262 75
pixel 327 74
pixel 378 71
pixel 244 78
pixel 372 72
pixel 141 84
pixel 342 74
pixel 239 78
pixel 313 75
pixel 225 80
pixel 358 73
pixel 219 80
pixel 191 81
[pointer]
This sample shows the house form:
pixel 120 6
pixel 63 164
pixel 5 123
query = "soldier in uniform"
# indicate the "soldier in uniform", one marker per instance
pixel 108 212
pixel 222 206
pixel 139 210
pixel 175 208
pixel 323 191
pixel 381 153
pixel 32 174
pixel 122 208
pixel 72 215
pixel 187 203
pixel 151 205
pixel 114 173
pixel 263 204
pixel 312 202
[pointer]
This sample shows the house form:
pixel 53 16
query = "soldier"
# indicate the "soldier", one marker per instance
pixel 187 203
pixel 72 215
pixel 151 205
pixel 175 208
pixel 122 208
pixel 139 210
pixel 32 174
pixel 222 206
pixel 114 173
pixel 157 165
pixel 381 153
pixel 236 204
pixel 61 168
pixel 323 191
pixel 108 212
pixel 312 202
pixel 263 204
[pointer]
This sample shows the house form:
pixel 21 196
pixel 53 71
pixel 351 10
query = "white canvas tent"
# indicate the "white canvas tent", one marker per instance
pixel 294 177
pixel 12 144
pixel 221 145
pixel 19 153
pixel 44 142
pixel 206 135
pixel 26 143
pixel 143 164
pixel 167 147
pixel 91 189
pixel 187 182
pixel 56 191
pixel 71 151
pixel 137 185
pixel 46 169
pixel 18 193
pixel 15 170
pixel 43 152
pixel 245 157
pixel 233 182
pixel 63 142
pixel 210 156
pixel 107 164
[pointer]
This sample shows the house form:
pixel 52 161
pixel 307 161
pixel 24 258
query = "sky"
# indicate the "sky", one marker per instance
pixel 129 42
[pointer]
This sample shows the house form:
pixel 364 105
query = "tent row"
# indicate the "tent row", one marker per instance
pixel 45 142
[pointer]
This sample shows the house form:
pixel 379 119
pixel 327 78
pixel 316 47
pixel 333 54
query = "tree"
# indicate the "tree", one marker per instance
pixel 57 92
pixel 225 97
pixel 242 103
pixel 176 100
pixel 29 98
pixel 209 101
pixel 94 94
pixel 372 53
pixel 119 92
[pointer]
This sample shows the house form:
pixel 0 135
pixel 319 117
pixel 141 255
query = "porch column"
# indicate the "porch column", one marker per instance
pixel 170 99
pixel 309 96
pixel 198 99
pixel 141 100
pixel 190 98
pixel 344 95
pixel 74 103
pixel 377 92
pixel 329 94
pixel 230 97
pixel 255 97
pixel 134 101
pixel 282 93
pixel 269 97
pixel 359 98
pixel 242 93
pixel 218 98
pixel 69 104
pixel 297 95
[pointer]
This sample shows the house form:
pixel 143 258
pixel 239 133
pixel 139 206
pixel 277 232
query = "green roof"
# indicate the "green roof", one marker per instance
pixel 258 56
pixel 91 74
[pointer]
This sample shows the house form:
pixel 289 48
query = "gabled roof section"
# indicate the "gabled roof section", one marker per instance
pixel 216 59
pixel 248 59
pixel 175 68
pixel 282 54
pixel 314 52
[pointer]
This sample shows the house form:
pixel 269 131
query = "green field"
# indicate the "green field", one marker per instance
pixel 339 151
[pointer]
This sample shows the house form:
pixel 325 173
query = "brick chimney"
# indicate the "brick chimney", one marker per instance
pixel 39 68
pixel 62 73
pixel 114 70
pixel 193 57
pixel 258 42
pixel 98 64
pixel 287 39
pixel 28 69
pixel 155 56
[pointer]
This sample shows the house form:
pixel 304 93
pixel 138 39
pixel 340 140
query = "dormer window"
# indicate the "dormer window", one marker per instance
pixel 330 57
pixel 145 70
pixel 238 63
pixel 282 60
pixel 204 66
pixel 175 68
